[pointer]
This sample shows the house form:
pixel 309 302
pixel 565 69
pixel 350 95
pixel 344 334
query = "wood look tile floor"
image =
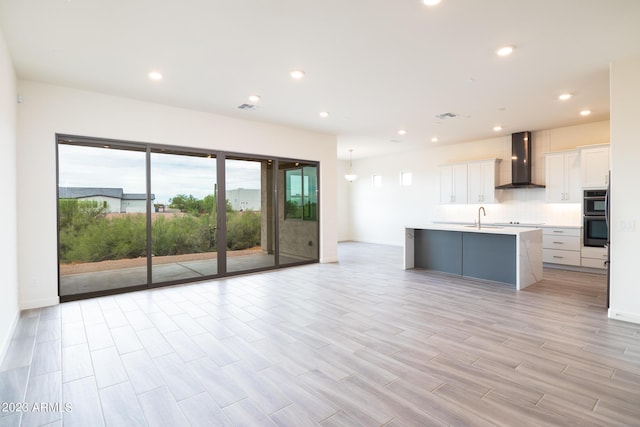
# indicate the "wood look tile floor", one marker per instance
pixel 356 343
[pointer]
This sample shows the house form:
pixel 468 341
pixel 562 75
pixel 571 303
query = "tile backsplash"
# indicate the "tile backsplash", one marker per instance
pixel 524 205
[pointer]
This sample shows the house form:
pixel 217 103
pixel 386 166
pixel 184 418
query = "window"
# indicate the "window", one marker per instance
pixel 301 193
pixel 405 179
pixel 376 181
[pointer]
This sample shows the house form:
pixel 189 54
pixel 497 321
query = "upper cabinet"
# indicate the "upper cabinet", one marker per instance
pixel 473 182
pixel 453 183
pixel 562 177
pixel 595 166
pixel 482 178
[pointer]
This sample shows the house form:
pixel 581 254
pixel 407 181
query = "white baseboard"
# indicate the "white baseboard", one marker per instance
pixel 329 260
pixel 39 303
pixel 626 317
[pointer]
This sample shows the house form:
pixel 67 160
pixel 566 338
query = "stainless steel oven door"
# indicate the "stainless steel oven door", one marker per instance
pixel 595 205
pixel 595 231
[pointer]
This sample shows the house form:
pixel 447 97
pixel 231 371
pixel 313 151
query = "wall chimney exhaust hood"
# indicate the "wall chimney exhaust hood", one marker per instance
pixel 520 162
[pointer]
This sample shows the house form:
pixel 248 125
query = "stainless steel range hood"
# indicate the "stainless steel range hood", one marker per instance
pixel 520 162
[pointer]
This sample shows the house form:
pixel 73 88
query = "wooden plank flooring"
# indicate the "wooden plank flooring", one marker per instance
pixel 356 343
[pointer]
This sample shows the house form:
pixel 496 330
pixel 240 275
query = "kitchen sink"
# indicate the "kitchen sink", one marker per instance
pixel 483 226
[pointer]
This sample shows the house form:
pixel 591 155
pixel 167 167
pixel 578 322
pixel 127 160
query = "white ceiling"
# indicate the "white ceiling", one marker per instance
pixel 375 65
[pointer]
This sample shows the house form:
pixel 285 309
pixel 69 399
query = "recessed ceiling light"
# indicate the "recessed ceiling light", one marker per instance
pixel 297 74
pixel 156 76
pixel 565 96
pixel 323 114
pixel 402 132
pixel 434 139
pixel 585 112
pixel 430 2
pixel 505 51
pixel 254 98
pixel 497 128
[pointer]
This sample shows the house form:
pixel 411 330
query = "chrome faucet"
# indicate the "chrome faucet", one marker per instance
pixel 481 208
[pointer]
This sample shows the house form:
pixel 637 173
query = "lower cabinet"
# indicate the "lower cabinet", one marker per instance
pixel 480 255
pixel 594 257
pixel 561 245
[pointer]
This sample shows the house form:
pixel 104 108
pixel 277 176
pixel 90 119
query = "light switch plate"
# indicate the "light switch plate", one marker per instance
pixel 628 225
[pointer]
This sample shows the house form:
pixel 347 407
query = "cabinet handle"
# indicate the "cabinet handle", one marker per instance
pixel 556 256
pixel 558 243
pixel 558 231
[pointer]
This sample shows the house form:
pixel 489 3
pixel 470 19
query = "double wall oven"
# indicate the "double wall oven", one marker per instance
pixel 595 228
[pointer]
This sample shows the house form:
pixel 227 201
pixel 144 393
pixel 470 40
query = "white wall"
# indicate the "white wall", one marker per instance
pixel 625 177
pixel 344 203
pixel 48 110
pixel 8 219
pixel 379 215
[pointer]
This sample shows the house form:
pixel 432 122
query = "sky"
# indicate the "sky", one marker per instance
pixel 171 174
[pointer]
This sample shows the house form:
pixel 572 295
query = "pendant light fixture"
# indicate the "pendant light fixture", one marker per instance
pixel 350 176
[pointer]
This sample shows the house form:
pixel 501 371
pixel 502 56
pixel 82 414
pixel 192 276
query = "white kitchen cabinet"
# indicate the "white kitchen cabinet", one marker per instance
pixel 595 167
pixel 594 257
pixel 482 178
pixel 561 245
pixel 453 184
pixel 562 177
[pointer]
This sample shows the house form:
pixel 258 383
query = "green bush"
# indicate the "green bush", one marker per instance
pixel 181 235
pixel 86 235
pixel 104 239
pixel 243 230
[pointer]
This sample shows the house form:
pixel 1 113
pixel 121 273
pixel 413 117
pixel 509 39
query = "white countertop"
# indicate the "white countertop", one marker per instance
pixel 489 229
pixel 506 224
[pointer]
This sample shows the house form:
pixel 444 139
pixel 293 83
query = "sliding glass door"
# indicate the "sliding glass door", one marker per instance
pixel 133 216
pixel 298 226
pixel 249 185
pixel 184 217
pixel 102 211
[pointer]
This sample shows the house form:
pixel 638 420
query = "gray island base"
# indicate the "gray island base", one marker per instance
pixel 508 255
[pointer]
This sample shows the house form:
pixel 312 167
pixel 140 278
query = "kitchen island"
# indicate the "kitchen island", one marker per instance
pixel 510 255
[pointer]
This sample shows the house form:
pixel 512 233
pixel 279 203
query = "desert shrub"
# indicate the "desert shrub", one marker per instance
pixel 181 235
pixel 86 235
pixel 104 239
pixel 243 230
